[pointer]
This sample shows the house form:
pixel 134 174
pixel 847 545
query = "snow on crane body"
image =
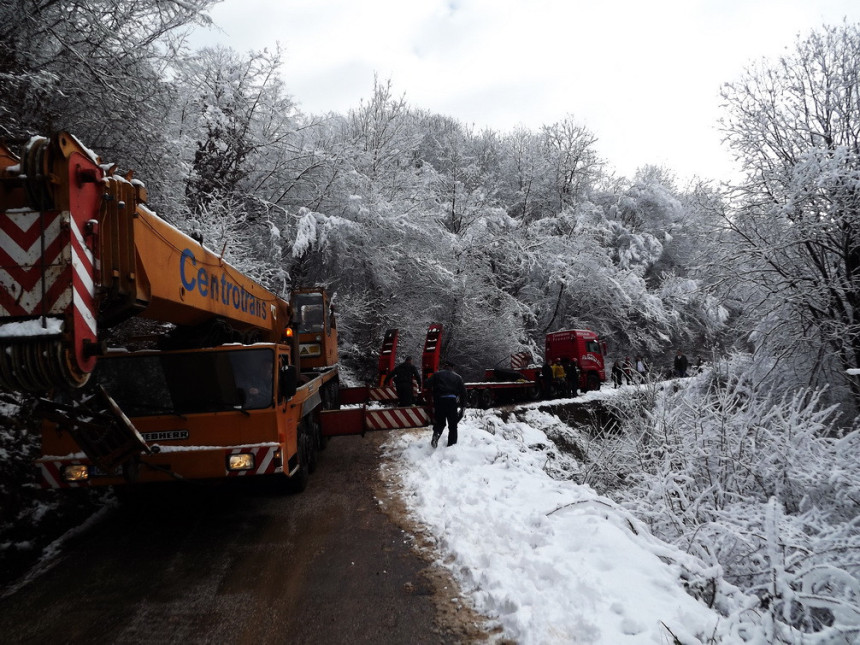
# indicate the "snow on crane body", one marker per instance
pixel 226 396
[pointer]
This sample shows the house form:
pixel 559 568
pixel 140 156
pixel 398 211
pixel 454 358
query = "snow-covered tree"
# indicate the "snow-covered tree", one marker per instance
pixel 796 223
pixel 575 166
pixel 98 69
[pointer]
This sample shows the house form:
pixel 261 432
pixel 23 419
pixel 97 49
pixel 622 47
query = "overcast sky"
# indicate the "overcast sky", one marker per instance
pixel 643 75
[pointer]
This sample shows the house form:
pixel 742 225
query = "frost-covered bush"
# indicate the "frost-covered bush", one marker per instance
pixel 30 518
pixel 753 480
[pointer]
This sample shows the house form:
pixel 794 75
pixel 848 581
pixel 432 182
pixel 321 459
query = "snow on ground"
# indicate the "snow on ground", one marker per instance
pixel 551 560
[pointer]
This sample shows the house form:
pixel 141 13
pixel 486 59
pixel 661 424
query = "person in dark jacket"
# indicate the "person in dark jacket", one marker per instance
pixel 627 367
pixel 546 380
pixel 403 375
pixel 617 373
pixel 681 364
pixel 449 402
pixel 571 376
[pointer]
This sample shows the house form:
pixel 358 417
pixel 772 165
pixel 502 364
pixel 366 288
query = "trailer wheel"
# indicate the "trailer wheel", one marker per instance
pixel 485 399
pixel 474 398
pixel 533 393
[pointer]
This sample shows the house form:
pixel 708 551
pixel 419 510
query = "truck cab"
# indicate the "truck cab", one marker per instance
pixel 586 347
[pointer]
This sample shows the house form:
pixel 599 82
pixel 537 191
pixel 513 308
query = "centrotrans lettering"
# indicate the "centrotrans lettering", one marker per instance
pixel 217 287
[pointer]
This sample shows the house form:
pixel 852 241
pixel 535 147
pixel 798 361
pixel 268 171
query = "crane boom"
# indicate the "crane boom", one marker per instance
pixel 80 252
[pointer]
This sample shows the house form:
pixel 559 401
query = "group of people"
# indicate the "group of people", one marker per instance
pixel 636 371
pixel 629 370
pixel 449 395
pixel 560 378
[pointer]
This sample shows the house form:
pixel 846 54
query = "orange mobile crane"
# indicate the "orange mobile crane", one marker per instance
pixel 235 389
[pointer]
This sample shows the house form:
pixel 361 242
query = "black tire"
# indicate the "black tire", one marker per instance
pixel 298 482
pixel 592 382
pixel 474 398
pixel 486 399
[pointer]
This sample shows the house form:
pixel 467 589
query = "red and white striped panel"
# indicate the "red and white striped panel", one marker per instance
pixel 84 287
pixel 264 460
pixel 387 393
pixel 520 360
pixel 22 262
pixel 396 418
pixel 56 282
pixel 50 474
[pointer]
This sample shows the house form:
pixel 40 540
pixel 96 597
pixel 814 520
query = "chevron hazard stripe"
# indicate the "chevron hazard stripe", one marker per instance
pixel 264 460
pixel 382 393
pixel 388 393
pixel 397 418
pixel 23 267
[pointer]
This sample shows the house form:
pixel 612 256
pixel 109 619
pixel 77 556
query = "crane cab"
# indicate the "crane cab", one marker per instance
pixel 315 328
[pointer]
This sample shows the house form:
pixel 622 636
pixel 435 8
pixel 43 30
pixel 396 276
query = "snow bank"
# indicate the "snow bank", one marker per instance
pixel 551 560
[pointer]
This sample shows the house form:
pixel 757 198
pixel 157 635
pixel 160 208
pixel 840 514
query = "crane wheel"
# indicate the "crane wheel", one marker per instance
pixel 298 482
pixel 38 366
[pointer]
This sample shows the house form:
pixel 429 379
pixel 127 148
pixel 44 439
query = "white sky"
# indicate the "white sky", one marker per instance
pixel 643 75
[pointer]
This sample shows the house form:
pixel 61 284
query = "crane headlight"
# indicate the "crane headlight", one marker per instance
pixel 75 473
pixel 242 461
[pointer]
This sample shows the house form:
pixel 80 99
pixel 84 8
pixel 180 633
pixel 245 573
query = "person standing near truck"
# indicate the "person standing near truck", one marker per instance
pixel 546 380
pixel 628 369
pixel 571 375
pixel 641 368
pixel 449 402
pixel 403 375
pixel 617 372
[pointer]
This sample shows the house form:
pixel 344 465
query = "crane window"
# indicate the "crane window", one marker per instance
pixel 189 382
pixel 310 310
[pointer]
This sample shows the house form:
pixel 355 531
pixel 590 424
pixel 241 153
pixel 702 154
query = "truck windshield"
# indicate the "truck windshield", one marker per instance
pixel 308 309
pixel 189 382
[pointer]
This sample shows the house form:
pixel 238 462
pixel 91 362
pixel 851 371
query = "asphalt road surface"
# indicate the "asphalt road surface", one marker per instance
pixel 248 564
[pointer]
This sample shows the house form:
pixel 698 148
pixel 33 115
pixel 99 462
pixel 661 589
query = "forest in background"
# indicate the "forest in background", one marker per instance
pixel 411 218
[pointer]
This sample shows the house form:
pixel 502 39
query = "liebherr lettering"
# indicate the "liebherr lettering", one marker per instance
pixel 217 287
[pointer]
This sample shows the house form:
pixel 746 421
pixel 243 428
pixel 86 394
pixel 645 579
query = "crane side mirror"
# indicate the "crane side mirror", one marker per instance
pixel 288 379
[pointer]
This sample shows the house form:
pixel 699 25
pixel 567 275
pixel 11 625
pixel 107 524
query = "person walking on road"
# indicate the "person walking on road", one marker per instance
pixel 403 375
pixel 449 402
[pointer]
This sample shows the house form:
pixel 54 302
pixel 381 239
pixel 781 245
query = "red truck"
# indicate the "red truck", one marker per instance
pixel 586 347
pixel 524 382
